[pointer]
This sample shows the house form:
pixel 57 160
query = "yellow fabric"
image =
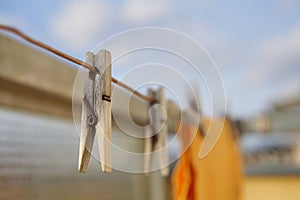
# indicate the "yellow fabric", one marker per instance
pixel 218 176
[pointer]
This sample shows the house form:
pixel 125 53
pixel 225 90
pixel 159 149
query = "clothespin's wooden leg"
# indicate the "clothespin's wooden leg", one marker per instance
pixel 150 131
pixel 159 127
pixel 147 149
pixel 87 132
pixel 163 134
pixel 103 108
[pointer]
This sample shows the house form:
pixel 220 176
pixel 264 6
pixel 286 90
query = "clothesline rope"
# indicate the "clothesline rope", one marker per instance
pixel 70 58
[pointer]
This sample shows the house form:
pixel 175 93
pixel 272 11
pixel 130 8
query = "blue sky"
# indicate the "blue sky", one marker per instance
pixel 255 44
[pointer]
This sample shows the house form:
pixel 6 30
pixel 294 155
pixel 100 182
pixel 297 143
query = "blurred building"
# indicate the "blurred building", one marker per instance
pixel 271 149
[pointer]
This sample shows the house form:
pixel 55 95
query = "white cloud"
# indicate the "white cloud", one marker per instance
pixel 80 22
pixel 137 11
pixel 277 60
pixel 273 73
pixel 283 51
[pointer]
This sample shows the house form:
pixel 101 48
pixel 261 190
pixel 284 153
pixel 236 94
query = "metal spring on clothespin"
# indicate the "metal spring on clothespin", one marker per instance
pixel 156 134
pixel 96 112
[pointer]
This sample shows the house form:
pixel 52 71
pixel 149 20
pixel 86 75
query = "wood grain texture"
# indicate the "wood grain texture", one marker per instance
pixel 87 133
pixel 102 61
pixel 147 149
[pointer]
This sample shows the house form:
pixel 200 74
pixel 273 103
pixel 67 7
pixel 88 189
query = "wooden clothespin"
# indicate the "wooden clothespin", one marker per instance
pixel 157 132
pixel 96 112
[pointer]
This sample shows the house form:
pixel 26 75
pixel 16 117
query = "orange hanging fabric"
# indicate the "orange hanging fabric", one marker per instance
pixel 183 174
pixel 218 176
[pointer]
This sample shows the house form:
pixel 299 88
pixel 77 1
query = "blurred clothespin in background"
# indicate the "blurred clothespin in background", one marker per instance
pixel 96 112
pixel 156 133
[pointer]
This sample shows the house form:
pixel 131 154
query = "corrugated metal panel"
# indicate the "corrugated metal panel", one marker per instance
pixel 38 160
